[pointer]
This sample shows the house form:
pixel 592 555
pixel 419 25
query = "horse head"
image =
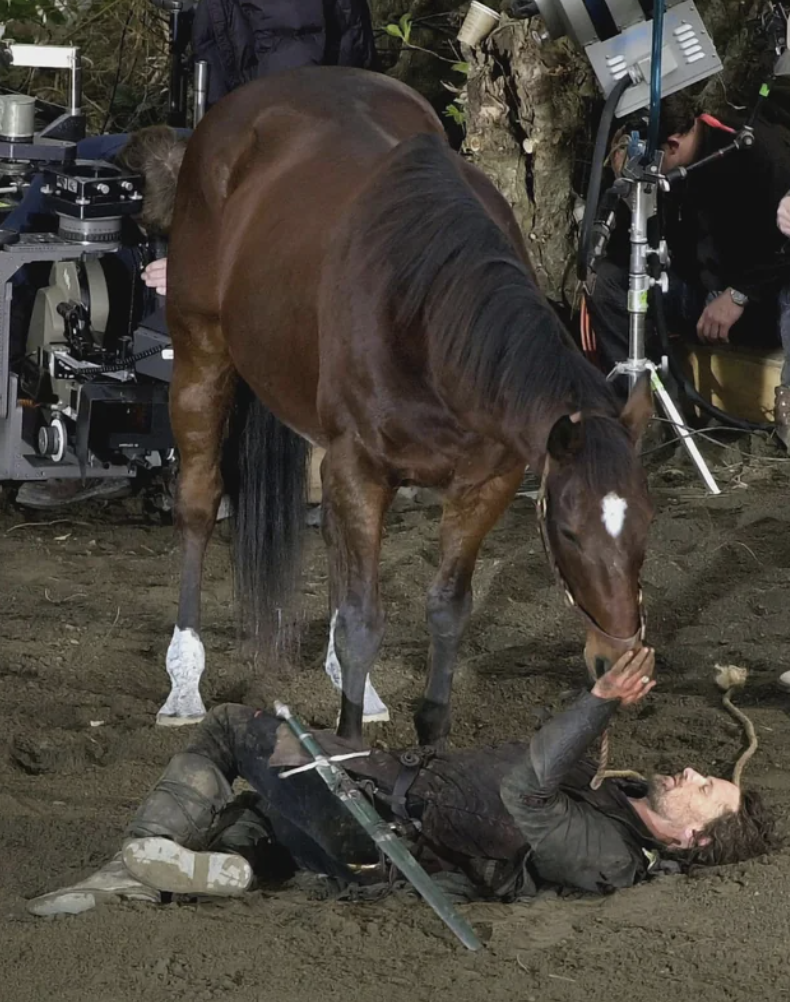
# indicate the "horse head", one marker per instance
pixel 594 512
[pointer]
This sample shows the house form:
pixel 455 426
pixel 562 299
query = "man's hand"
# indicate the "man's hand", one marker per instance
pixel 155 276
pixel 783 216
pixel 717 319
pixel 618 151
pixel 630 680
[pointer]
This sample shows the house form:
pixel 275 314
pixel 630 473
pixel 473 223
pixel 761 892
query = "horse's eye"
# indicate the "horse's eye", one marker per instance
pixel 570 536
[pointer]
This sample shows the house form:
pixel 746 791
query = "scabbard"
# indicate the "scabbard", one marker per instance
pixel 346 790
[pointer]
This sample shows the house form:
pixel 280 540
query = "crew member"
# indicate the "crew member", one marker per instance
pixel 728 266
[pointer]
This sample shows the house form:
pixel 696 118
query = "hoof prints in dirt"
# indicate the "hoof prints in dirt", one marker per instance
pixel 60 753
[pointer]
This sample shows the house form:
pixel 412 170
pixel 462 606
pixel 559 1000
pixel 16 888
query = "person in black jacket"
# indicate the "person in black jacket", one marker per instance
pixel 242 40
pixel 509 819
pixel 729 267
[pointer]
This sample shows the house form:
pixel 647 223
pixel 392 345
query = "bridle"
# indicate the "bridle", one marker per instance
pixel 624 643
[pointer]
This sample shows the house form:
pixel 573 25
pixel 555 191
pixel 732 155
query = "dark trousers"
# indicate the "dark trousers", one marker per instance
pixel 762 325
pixel 302 815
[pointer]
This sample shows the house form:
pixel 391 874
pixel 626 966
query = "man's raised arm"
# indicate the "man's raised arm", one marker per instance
pixel 531 791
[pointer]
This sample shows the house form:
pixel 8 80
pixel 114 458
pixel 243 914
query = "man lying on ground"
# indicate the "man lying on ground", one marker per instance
pixel 510 819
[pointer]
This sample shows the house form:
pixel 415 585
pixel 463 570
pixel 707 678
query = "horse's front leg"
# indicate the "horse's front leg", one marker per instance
pixel 201 394
pixel 469 514
pixel 355 501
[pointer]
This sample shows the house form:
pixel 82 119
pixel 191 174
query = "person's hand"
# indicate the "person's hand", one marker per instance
pixel 155 276
pixel 630 679
pixel 618 151
pixel 783 216
pixel 717 319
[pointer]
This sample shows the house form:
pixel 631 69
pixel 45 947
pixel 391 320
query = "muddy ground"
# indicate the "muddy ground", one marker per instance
pixel 88 604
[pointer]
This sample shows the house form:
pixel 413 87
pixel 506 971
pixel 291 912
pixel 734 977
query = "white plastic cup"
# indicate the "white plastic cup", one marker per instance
pixel 479 22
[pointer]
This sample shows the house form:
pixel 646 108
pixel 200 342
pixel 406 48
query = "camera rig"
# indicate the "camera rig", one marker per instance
pixel 84 379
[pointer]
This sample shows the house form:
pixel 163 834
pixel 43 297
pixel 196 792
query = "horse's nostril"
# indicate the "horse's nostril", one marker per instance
pixel 601 666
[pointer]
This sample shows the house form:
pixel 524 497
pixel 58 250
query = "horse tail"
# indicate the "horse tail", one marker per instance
pixel 265 477
pixel 157 153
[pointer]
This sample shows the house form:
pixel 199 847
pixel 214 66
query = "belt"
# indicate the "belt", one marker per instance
pixel 405 809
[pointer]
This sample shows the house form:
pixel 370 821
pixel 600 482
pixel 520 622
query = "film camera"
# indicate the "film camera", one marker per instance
pixel 86 362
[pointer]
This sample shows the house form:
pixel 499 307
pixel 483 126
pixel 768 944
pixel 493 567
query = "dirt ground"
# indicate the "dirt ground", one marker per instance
pixel 88 605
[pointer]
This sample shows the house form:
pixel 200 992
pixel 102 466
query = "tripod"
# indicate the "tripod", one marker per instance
pixel 643 183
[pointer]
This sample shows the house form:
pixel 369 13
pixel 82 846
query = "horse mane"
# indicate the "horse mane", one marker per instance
pixel 448 267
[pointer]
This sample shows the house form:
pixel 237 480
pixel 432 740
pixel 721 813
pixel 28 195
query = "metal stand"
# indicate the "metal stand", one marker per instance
pixel 643 182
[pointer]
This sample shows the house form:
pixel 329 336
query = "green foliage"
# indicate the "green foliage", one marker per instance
pixel 32 14
pixel 124 56
pixel 455 112
pixel 401 30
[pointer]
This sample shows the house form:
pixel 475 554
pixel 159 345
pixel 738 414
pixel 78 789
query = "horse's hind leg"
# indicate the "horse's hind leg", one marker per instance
pixel 467 518
pixel 201 394
pixel 355 501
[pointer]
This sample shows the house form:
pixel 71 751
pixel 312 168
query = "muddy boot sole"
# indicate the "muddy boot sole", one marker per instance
pixel 167 866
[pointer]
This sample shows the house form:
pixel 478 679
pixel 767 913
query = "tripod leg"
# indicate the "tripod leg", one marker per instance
pixel 671 411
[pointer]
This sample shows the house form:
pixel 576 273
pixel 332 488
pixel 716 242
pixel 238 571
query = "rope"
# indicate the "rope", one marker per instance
pixel 730 678
pixel 604 773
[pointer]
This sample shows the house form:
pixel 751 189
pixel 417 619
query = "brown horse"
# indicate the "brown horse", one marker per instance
pixel 331 254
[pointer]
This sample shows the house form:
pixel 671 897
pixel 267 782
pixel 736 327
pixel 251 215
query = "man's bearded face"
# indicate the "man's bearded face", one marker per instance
pixel 690 800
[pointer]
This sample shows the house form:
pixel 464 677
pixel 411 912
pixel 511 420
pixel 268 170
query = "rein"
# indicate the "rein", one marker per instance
pixel 626 643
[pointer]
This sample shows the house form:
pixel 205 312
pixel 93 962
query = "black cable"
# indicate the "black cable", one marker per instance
pixel 126 363
pixel 657 302
pixel 596 174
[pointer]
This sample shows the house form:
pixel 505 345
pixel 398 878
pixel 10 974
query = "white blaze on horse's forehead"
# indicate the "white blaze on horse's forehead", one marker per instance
pixel 613 509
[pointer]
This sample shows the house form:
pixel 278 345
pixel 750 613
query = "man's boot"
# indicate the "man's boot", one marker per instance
pixel 112 882
pixel 239 848
pixel 181 808
pixel 782 415
pixel 172 845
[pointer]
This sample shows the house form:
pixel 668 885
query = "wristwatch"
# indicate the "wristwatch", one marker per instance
pixel 739 298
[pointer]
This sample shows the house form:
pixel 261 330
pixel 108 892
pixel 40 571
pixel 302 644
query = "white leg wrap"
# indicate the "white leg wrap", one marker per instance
pixel 186 661
pixel 374 709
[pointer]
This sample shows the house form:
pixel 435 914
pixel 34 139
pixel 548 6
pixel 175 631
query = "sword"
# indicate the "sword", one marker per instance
pixel 349 794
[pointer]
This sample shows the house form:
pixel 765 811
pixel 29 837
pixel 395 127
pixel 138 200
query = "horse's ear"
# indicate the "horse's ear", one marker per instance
pixel 638 409
pixel 566 437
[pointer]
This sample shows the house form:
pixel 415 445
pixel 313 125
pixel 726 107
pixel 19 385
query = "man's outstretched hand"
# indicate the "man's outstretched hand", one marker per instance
pixel 630 679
